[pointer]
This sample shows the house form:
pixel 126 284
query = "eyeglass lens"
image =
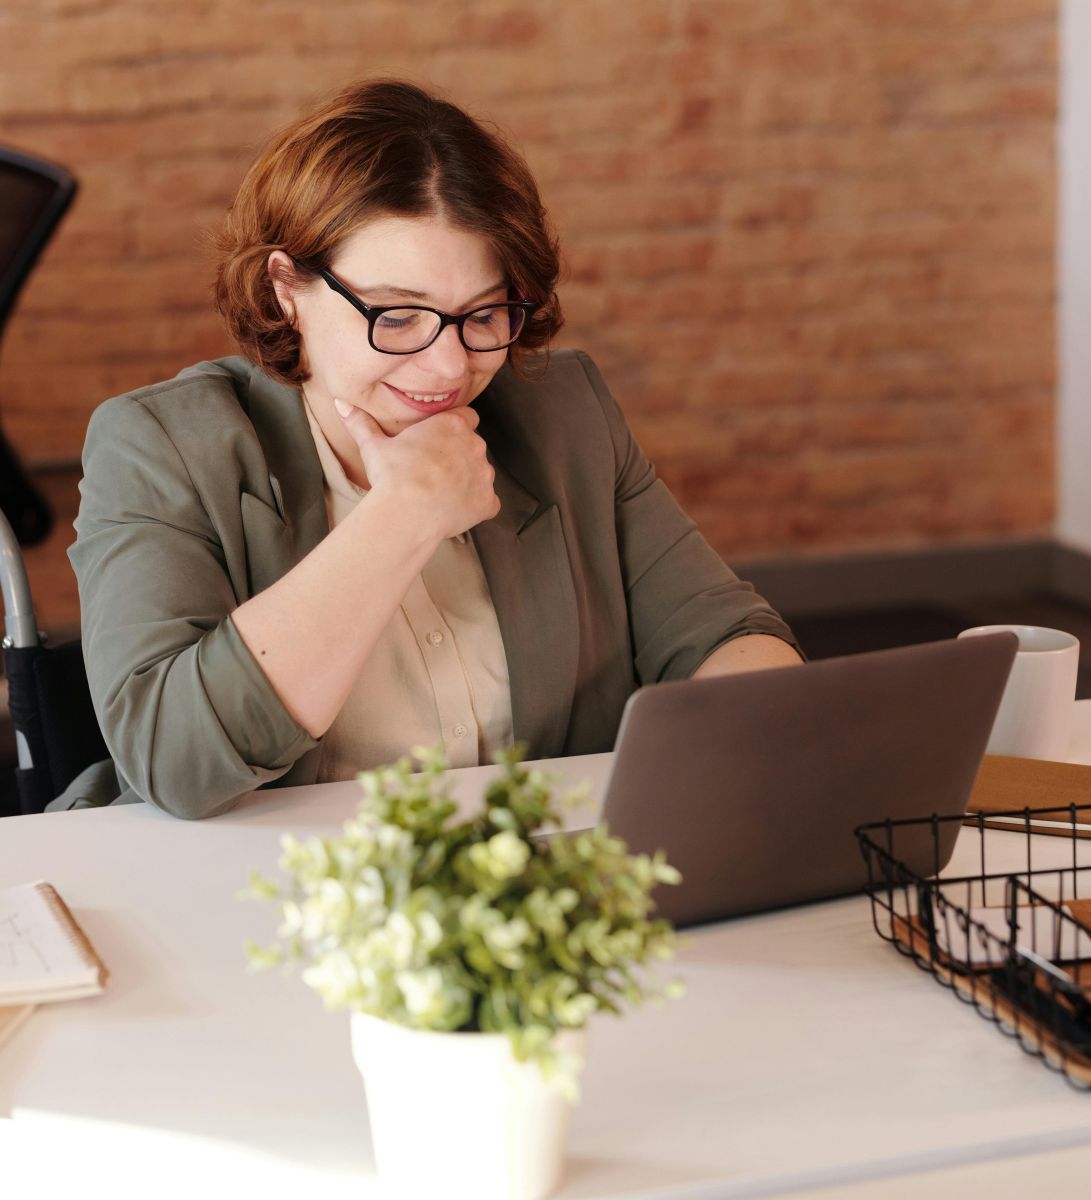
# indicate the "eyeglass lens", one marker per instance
pixel 403 330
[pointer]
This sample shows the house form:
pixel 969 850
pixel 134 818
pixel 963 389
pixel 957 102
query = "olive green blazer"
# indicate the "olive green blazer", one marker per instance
pixel 201 491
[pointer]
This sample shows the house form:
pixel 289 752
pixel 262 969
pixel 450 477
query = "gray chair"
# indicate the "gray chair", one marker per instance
pixel 56 731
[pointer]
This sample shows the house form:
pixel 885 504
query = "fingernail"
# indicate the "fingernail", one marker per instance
pixel 342 408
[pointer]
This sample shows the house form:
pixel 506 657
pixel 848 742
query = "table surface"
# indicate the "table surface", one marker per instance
pixel 808 1057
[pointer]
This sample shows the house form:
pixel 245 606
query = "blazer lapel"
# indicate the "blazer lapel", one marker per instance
pixel 276 412
pixel 522 552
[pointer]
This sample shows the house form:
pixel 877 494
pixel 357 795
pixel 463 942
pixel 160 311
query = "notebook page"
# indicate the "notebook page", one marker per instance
pixel 43 952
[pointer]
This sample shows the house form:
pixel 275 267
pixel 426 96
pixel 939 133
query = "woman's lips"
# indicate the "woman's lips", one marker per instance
pixel 426 402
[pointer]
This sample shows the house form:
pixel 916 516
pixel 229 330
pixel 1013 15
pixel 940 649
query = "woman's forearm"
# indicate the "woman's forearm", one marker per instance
pixel 753 652
pixel 312 631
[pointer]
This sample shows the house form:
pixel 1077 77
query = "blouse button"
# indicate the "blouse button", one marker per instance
pixel 460 731
pixel 435 637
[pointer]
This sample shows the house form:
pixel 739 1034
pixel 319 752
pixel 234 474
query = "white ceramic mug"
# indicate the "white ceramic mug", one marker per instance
pixel 1035 717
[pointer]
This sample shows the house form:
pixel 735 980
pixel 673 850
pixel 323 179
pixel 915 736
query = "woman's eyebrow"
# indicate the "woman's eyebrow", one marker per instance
pixel 390 289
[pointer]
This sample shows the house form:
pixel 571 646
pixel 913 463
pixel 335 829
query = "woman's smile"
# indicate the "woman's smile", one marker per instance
pixel 426 402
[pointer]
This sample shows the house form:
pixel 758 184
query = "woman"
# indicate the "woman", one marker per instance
pixel 301 563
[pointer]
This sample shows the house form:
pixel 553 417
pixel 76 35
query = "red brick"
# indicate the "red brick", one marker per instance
pixel 810 243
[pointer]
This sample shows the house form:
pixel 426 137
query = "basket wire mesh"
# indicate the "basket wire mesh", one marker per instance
pixel 1015 945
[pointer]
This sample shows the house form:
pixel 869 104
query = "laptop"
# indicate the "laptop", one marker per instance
pixel 753 784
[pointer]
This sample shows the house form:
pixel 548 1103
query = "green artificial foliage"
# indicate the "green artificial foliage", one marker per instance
pixel 417 916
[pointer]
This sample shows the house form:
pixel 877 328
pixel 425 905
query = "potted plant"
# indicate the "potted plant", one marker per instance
pixel 471 953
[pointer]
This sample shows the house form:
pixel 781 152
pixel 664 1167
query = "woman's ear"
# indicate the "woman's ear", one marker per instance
pixel 282 272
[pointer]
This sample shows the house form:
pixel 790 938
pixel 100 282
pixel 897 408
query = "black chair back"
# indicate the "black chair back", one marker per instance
pixel 34 196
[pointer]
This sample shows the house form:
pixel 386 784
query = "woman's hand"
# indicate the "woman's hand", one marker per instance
pixel 314 628
pixel 438 468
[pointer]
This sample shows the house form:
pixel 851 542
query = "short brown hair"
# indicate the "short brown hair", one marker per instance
pixel 378 148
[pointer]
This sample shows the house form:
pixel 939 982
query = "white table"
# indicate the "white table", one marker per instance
pixel 807 1054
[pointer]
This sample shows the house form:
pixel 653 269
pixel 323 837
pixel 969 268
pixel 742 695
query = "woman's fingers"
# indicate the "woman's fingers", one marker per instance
pixel 363 427
pixel 439 466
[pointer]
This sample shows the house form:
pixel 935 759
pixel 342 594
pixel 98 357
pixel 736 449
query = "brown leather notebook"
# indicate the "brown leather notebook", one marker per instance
pixel 1009 785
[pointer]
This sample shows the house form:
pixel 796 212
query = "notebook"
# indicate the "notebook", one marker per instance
pixel 1010 785
pixel 44 954
pixel 754 784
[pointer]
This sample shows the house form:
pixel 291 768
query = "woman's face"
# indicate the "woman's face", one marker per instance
pixel 393 260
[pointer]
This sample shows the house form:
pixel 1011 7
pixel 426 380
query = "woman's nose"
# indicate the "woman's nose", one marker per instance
pixel 446 356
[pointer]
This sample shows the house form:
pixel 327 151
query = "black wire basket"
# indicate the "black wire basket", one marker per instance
pixel 1016 945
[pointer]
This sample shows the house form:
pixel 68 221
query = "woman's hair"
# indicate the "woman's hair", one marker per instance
pixel 379 148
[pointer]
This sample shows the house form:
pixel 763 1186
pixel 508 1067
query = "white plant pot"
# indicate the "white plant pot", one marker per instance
pixel 455 1115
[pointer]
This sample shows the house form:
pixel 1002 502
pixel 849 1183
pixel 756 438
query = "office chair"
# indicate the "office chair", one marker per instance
pixel 34 196
pixel 56 731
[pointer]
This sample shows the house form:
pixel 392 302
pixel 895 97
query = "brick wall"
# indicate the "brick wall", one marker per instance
pixel 810 242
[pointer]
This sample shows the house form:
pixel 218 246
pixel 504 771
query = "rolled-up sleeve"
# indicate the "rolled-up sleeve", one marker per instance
pixel 189 717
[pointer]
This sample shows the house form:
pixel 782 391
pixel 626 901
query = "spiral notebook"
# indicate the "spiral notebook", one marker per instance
pixel 44 954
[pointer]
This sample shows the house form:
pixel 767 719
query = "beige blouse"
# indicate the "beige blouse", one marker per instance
pixel 438 674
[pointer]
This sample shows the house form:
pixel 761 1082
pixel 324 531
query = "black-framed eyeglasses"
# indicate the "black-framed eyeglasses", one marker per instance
pixel 410 328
